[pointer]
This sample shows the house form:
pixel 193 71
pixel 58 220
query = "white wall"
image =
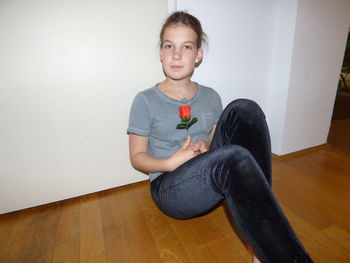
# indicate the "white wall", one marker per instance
pixel 69 71
pixel 249 55
pixel 279 72
pixel 240 35
pixel 319 45
pixel 284 54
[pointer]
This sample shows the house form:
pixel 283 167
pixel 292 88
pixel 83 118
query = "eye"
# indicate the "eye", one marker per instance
pixel 188 47
pixel 167 46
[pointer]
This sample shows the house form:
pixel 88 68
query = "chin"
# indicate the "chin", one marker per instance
pixel 178 76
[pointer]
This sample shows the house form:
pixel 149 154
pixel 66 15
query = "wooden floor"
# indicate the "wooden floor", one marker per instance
pixel 123 225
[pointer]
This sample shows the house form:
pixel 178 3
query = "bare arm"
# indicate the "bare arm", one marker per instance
pixel 143 162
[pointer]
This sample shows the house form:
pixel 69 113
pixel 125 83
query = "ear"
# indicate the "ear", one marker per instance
pixel 199 56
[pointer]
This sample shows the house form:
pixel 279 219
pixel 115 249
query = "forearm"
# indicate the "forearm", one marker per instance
pixel 143 162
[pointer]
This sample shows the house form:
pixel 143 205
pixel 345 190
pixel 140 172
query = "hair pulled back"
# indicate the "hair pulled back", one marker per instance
pixel 181 17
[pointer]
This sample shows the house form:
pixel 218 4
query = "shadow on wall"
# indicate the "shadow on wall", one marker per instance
pixel 342 102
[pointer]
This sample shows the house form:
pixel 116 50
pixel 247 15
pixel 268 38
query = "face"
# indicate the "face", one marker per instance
pixel 179 53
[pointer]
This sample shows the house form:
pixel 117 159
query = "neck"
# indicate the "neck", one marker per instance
pixel 180 90
pixel 183 85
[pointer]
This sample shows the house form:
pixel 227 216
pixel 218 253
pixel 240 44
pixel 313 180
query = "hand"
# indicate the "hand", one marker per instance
pixel 200 146
pixel 185 153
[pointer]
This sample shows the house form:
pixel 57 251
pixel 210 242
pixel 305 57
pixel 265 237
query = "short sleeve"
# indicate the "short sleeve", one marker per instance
pixel 139 118
pixel 217 108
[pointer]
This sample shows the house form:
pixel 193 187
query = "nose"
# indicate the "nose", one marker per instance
pixel 177 54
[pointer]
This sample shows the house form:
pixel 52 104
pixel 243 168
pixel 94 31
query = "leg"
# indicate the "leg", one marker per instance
pixel 243 123
pixel 188 191
pixel 230 172
pixel 257 216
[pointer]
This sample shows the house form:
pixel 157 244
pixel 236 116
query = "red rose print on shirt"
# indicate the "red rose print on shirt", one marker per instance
pixel 185 115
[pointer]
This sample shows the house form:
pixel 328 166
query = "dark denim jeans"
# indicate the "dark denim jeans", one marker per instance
pixel 237 170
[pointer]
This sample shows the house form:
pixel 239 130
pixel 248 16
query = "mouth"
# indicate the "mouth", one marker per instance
pixel 176 67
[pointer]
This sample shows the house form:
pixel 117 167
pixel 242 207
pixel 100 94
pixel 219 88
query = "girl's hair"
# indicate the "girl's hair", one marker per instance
pixel 186 19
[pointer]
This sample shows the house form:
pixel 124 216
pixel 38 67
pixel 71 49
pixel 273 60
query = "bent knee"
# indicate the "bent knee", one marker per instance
pixel 244 104
pixel 240 164
pixel 249 110
pixel 235 153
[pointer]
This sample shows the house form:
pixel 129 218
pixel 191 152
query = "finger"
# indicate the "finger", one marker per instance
pixel 187 142
pixel 196 147
pixel 191 146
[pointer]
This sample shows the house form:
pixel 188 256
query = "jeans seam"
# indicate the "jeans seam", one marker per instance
pixel 172 186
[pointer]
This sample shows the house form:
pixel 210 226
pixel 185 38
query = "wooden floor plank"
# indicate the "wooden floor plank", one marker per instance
pixel 114 227
pixel 43 239
pixel 67 245
pixel 332 168
pixel 20 239
pixel 143 246
pixel 290 195
pixel 165 239
pixel 92 245
pixel 322 198
pixel 7 226
pixel 338 234
pixel 195 246
pixel 321 248
pixel 339 135
pixel 222 221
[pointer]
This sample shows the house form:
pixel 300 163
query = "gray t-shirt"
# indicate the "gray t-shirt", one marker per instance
pixel 155 115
